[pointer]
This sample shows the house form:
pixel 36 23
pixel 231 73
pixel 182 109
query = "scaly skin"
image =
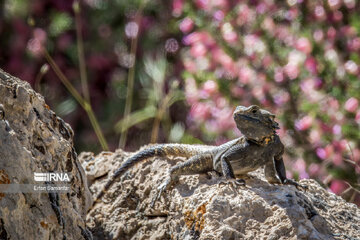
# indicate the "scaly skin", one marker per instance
pixel 260 146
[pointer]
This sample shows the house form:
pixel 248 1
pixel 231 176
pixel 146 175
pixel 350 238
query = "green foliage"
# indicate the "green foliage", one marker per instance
pixel 60 22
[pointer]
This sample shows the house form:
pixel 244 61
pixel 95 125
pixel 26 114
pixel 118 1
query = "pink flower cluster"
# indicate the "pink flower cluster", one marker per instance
pixel 209 107
pixel 258 52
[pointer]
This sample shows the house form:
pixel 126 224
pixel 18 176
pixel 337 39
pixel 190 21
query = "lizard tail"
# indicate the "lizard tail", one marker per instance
pixel 161 150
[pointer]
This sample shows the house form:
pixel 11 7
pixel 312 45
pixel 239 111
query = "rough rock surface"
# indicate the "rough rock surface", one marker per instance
pixel 201 208
pixel 34 139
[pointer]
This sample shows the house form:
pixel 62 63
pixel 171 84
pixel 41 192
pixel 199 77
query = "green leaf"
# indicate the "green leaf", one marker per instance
pixel 60 22
pixel 66 107
pixel 135 118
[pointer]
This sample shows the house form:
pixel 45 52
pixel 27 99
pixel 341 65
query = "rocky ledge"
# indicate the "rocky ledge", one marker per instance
pixel 201 208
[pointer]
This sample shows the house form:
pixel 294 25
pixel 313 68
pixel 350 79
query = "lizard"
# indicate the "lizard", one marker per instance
pixel 259 146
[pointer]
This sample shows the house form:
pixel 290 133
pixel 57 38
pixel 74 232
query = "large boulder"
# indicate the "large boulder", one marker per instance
pixel 201 208
pixel 33 139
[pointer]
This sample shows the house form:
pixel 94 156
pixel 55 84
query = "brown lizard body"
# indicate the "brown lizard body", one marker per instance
pixel 260 146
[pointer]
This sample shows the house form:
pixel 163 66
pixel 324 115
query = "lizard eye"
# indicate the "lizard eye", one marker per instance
pixel 254 111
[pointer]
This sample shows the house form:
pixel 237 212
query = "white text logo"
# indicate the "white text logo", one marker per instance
pixel 48 177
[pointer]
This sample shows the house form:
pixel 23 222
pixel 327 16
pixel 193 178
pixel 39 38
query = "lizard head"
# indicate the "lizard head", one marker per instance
pixel 255 123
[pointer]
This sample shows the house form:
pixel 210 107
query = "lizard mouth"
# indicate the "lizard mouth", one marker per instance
pixel 253 122
pixel 248 118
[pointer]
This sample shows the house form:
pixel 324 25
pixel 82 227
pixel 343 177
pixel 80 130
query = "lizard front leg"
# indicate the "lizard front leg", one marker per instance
pixel 278 166
pixel 271 173
pixel 234 153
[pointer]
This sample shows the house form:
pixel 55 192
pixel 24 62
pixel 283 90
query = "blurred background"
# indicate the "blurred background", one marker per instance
pixel 127 73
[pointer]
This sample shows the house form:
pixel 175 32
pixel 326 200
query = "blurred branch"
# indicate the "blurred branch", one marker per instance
pixel 83 103
pixel 130 80
pixel 80 48
pixel 43 70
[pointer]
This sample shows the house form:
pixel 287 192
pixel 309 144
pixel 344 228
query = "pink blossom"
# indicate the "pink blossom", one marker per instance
pixel 171 45
pixel 268 25
pixel 219 15
pixel 245 15
pixel 356 155
pixel 307 85
pixel 337 16
pixel 350 3
pixel 336 129
pixel 334 104
pixel 300 166
pixel 315 136
pixel 177 7
pixel 320 12
pixel 354 44
pixel 222 4
pixel 261 8
pixel 224 59
pixel 337 159
pixel 311 65
pixel 357 169
pixel 304 123
pixel 36 44
pixel 289 174
pixel 314 169
pixel 186 25
pixel 318 35
pixel 340 146
pixel 351 67
pixel 331 33
pixel 245 75
pixel 191 92
pixel 325 127
pixel 190 65
pixel 239 91
pixel 281 98
pixel 230 36
pixel 334 4
pixel 351 105
pixel 292 14
pixel 348 31
pixel 222 119
pixel 304 45
pixel 210 87
pixel 324 153
pixel 194 37
pixel 221 102
pixel 357 117
pixel 198 50
pixel 40 35
pixel 203 4
pixel 267 60
pixel 131 29
pixel 200 111
pixel 291 71
pixel 338 186
pixel 279 75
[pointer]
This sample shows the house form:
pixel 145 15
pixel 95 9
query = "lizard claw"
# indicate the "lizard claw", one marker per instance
pixel 234 182
pixel 163 187
pixel 297 185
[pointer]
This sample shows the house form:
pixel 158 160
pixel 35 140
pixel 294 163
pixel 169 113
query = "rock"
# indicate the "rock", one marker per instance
pixel 200 208
pixel 33 139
